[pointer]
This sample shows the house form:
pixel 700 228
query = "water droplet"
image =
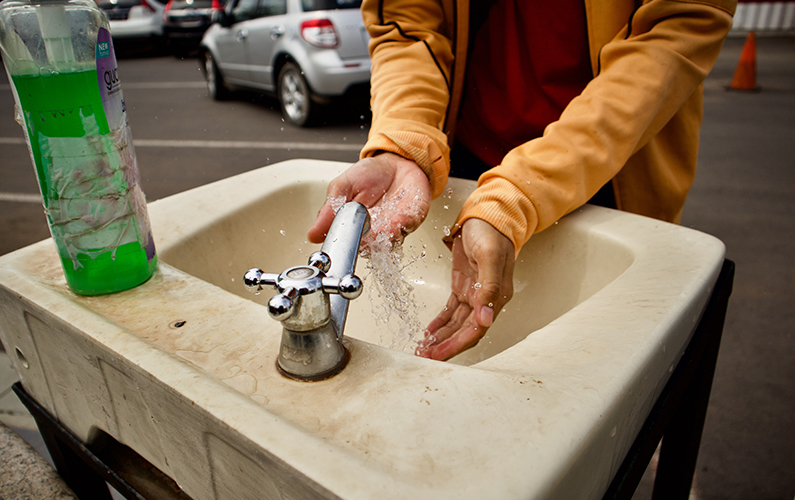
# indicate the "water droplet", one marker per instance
pixel 477 286
pixel 446 207
pixel 281 231
pixel 491 304
pixel 446 230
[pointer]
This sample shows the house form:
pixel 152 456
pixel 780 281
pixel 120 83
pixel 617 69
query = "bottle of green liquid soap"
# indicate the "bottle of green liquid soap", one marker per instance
pixel 59 57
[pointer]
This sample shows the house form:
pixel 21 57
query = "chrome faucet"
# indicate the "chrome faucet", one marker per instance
pixel 312 303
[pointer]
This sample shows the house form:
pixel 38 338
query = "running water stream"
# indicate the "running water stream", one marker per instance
pixel 391 295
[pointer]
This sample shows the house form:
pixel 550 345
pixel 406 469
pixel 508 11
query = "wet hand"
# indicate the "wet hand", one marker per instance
pixel 482 283
pixel 395 191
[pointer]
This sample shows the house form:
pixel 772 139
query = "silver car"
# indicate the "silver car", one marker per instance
pixel 134 19
pixel 307 52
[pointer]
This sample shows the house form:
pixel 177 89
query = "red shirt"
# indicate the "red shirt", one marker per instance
pixel 529 60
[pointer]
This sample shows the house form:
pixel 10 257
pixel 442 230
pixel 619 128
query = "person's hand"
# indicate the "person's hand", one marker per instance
pixel 395 191
pixel 482 283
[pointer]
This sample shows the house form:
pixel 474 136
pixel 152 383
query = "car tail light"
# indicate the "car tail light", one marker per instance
pixel 148 7
pixel 319 32
pixel 217 5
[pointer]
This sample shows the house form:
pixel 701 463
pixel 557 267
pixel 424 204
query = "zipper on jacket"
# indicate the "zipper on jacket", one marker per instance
pixel 626 37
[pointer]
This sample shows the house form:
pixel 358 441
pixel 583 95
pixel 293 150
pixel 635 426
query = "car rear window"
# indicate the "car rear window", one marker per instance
pixel 193 4
pixel 310 5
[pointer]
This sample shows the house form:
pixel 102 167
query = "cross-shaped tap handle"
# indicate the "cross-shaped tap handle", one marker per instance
pixel 298 304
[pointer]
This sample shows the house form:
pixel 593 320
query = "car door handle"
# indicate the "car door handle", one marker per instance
pixel 241 35
pixel 277 31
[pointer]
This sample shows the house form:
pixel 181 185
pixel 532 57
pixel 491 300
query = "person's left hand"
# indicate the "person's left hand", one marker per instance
pixel 482 283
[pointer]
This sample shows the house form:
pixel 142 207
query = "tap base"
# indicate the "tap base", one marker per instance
pixel 346 356
pixel 313 355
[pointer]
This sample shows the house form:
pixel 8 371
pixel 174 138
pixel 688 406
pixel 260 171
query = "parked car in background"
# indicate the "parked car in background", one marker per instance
pixel 134 19
pixel 185 21
pixel 306 52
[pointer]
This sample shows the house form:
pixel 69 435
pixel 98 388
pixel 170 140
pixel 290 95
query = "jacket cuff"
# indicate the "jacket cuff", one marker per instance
pixel 504 206
pixel 419 148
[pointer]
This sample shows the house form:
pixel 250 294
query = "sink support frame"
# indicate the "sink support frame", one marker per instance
pixel 86 468
pixel 677 419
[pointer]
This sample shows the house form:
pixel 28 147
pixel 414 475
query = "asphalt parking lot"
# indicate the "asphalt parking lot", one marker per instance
pixel 744 194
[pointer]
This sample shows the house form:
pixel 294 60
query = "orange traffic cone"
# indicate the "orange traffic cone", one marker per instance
pixel 745 74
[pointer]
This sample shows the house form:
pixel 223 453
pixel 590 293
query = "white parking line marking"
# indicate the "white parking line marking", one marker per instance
pixel 158 143
pixel 314 146
pixel 146 85
pixel 20 197
pixel 163 85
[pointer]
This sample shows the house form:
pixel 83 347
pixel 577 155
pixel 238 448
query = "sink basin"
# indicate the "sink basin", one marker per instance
pixel 182 368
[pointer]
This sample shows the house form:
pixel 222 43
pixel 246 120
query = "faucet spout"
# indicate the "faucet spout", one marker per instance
pixel 350 225
pixel 312 303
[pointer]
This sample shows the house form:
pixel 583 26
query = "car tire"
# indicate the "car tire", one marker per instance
pixel 215 81
pixel 295 97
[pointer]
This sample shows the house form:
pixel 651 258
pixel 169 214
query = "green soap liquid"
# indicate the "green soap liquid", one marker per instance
pixel 75 159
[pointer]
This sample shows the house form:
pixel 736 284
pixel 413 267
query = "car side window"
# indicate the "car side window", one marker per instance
pixel 244 10
pixel 271 8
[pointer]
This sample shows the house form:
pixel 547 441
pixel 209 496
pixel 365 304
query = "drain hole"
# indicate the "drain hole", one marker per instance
pixel 21 357
pixel 178 324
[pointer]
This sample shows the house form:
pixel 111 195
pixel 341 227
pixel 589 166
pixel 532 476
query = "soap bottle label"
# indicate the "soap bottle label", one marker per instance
pixel 109 83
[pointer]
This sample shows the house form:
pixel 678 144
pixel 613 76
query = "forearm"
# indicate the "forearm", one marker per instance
pixel 412 60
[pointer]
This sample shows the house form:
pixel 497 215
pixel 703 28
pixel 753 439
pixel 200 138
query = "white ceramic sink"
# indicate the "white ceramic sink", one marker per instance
pixel 182 368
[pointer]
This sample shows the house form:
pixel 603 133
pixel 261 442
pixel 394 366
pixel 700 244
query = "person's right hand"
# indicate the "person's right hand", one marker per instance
pixel 395 191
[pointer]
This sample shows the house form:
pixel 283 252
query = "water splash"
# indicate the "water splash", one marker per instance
pixel 390 292
pixel 397 310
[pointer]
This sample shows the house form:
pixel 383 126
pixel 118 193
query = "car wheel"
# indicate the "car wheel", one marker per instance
pixel 215 82
pixel 295 96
